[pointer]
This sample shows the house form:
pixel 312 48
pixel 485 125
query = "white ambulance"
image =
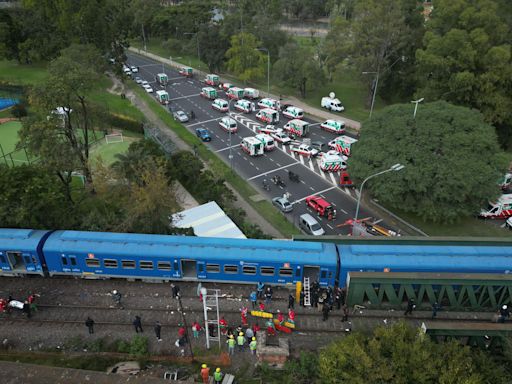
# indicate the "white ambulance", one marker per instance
pixel 498 210
pixel 162 97
pixel 245 106
pixel 297 127
pixel 269 103
pixel 228 124
pixel 267 115
pixel 220 105
pixel 267 141
pixel 332 161
pixel 334 126
pixel 343 144
pixel 251 93
pixel 292 112
pixel 252 146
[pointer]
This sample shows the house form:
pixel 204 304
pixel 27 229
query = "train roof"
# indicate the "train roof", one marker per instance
pixel 198 248
pixel 426 257
pixel 20 239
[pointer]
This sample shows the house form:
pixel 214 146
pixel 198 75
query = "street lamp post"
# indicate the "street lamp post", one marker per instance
pixel 377 81
pixel 230 156
pixel 416 102
pixel 395 168
pixel 268 68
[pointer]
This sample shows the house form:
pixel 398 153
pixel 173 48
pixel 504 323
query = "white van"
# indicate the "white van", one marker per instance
pixel 309 225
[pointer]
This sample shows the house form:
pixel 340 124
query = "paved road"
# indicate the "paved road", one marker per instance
pixel 184 94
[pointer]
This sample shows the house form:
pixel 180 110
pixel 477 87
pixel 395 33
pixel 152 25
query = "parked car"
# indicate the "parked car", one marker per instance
pixel 144 84
pixel 134 69
pixel 282 203
pixel 203 134
pixel 180 116
pixel 304 150
pixel 138 80
pixel 148 89
pixel 318 145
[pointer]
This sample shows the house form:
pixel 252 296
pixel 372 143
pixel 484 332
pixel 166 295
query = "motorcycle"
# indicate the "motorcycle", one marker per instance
pixel 265 185
pixel 293 177
pixel 277 181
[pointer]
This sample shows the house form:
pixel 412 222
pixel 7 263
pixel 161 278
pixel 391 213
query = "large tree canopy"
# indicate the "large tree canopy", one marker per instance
pixel 452 159
pixel 467 59
pixel 400 354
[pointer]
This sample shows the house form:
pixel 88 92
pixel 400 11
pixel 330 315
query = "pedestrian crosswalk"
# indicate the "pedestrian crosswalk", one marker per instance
pixel 309 162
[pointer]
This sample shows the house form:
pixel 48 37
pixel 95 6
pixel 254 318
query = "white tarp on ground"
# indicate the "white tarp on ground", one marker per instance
pixel 208 220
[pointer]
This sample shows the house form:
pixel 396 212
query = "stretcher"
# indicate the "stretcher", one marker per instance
pixel 285 323
pixel 265 315
pixel 281 328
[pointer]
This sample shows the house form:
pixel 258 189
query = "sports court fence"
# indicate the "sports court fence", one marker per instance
pixel 159 137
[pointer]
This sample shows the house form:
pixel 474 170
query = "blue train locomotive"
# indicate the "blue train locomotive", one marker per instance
pixel 161 257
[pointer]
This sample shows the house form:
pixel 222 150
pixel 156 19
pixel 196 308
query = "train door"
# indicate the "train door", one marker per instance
pixel 201 270
pixel 312 272
pixel 15 260
pixel 189 269
pixel 68 263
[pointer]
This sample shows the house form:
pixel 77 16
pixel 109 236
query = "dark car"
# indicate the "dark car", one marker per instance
pixel 282 203
pixel 318 145
pixel 203 134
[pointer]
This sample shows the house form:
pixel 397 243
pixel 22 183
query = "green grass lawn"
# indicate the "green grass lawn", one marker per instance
pixel 107 152
pixel 14 73
pixel 8 140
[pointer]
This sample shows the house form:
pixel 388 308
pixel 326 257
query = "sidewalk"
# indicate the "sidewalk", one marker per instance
pixel 252 215
pixel 317 112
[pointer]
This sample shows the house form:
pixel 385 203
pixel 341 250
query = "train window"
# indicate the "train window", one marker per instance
pixel 212 268
pixel 285 272
pixel 146 264
pixel 128 264
pixel 2 258
pixel 249 270
pixel 92 262
pixel 164 265
pixel 323 274
pixel 73 260
pixel 267 271
pixel 64 260
pixel 230 269
pixel 110 263
pixel 27 260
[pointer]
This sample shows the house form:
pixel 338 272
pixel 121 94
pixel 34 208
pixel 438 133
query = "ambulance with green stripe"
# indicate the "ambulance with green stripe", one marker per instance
pixel 334 126
pixel 209 93
pixel 297 127
pixel 343 144
pixel 332 161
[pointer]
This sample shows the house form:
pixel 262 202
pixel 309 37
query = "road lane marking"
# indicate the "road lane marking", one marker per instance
pixel 225 149
pixel 272 170
pixel 184 97
pixel 201 122
pixel 314 194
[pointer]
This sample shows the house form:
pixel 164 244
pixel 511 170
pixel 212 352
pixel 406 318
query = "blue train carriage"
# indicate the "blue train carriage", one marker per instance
pixel 21 252
pixel 137 256
pixel 451 257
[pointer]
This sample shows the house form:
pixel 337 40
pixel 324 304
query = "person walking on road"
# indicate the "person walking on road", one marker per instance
pixel 217 376
pixel 89 323
pixel 411 305
pixel 231 345
pixel 253 345
pixel 435 308
pixel 116 297
pixel 137 323
pixel 253 297
pixel 175 290
pixel 205 373
pixel 158 329
pixel 260 290
pixel 291 301
pixel 240 340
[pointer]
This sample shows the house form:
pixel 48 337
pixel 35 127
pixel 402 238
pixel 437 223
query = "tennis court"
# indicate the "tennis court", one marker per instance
pixel 8 140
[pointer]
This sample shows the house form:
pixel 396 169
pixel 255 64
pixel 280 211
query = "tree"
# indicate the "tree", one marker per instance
pixel 467 60
pixel 50 135
pixel 294 71
pixel 213 46
pixel 451 156
pixel 400 354
pixel 244 60
pixel 31 197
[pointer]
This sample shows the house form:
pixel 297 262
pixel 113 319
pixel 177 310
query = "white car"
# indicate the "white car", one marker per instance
pixel 305 150
pixel 134 69
pixel 144 84
pixel 127 71
pixel 281 137
pixel 228 124
pixel 138 80
pixel 148 89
